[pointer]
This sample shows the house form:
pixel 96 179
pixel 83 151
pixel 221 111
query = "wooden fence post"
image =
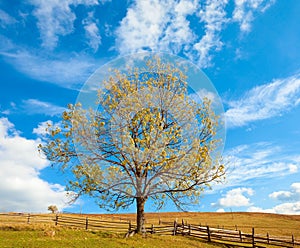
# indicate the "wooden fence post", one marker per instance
pixel 293 240
pixel 28 219
pixel 129 227
pixel 175 228
pixel 86 223
pixel 189 229
pixel 159 221
pixel 56 220
pixel 208 234
pixel 253 239
pixel 240 234
pixel 268 238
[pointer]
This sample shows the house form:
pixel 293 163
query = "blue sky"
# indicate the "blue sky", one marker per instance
pixel 248 48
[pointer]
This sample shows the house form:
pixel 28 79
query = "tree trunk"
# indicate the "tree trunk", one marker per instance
pixel 140 204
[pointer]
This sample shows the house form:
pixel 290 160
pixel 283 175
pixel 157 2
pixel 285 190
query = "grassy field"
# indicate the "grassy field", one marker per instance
pixel 274 224
pixel 63 237
pixel 49 235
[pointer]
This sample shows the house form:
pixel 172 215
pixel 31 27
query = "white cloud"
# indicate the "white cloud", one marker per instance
pixel 258 160
pixel 235 198
pixel 21 189
pixel 265 101
pixel 156 25
pixel 292 196
pixel 293 168
pixel 290 201
pixel 284 208
pixel 5 19
pixel 41 129
pixel 163 25
pixel 56 18
pixel 66 71
pixel 213 15
pixel 261 210
pixel 92 32
pixel 288 208
pixel 34 106
pixel 244 11
pixel 203 93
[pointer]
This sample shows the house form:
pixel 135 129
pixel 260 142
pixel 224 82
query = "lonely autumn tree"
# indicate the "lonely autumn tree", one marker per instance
pixel 148 138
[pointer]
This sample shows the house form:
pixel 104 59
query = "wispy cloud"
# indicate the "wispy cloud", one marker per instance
pixel 64 70
pixel 264 101
pixel 157 25
pixel 34 106
pixel 20 166
pixel 6 20
pixel 258 160
pixel 92 31
pixel 244 11
pixel 213 15
pixel 56 18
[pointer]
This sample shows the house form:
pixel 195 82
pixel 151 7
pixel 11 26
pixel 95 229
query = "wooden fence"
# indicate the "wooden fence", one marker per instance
pixel 67 221
pixel 232 236
pixel 211 234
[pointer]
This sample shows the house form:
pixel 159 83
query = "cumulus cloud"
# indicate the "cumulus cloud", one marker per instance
pixel 264 101
pixel 164 25
pixel 292 195
pixel 22 189
pixel 290 201
pixel 284 208
pixel 235 198
pixel 156 25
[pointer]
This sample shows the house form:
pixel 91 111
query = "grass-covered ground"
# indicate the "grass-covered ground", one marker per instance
pixel 80 238
pixel 274 224
pixel 49 235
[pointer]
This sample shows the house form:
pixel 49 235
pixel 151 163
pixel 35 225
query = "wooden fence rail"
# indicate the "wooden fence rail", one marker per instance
pixel 166 228
pixel 233 236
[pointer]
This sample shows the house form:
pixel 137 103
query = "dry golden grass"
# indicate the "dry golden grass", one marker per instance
pixel 43 229
pixel 274 224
